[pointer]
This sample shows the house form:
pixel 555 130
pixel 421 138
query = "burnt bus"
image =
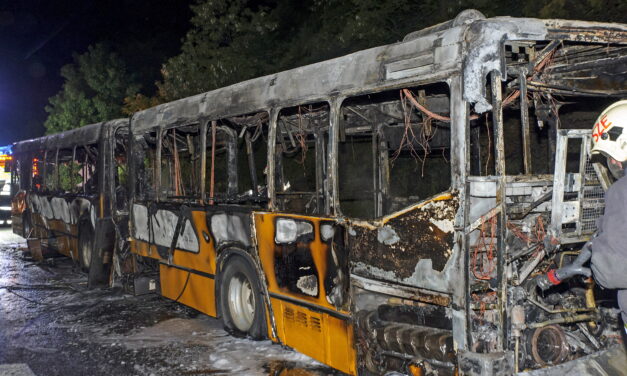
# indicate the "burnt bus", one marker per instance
pixel 389 210
pixel 69 190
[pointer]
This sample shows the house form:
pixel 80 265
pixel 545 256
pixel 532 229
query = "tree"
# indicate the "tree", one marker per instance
pixel 96 84
pixel 227 43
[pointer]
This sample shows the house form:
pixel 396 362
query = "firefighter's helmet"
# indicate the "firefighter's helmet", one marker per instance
pixel 609 134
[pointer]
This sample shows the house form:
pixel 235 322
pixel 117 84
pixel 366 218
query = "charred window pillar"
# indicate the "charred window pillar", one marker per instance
pixel 524 120
pixel 274 115
pixel 203 159
pixel 499 159
pixel 158 166
pixel 332 204
pixel 460 161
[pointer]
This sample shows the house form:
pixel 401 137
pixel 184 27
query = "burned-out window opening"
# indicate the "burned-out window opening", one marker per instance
pixel 86 159
pixel 221 166
pixel 252 156
pixel 145 159
pixel 68 171
pixel 50 171
pixel 391 153
pixel 120 167
pixel 181 152
pixel 37 160
pixel 301 158
pixel 536 134
pixel 22 170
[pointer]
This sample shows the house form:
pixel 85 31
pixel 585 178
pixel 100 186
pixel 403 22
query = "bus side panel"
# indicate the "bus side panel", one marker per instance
pixel 306 322
pixel 143 249
pixel 205 259
pixel 319 335
pixel 193 290
pixel 189 279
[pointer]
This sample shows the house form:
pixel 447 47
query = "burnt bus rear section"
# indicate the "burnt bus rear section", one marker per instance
pixel 67 193
pixel 447 284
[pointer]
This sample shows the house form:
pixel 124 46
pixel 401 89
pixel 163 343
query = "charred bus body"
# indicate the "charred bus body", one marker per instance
pixel 390 209
pixel 383 228
pixel 69 190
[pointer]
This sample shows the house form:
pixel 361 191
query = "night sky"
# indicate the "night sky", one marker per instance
pixel 38 37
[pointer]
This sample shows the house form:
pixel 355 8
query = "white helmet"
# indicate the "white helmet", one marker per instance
pixel 609 134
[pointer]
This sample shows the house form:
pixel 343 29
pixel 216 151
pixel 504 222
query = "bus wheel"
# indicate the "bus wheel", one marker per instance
pixel 243 311
pixel 26 226
pixel 85 245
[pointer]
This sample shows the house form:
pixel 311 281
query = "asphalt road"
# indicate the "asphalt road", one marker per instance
pixel 51 322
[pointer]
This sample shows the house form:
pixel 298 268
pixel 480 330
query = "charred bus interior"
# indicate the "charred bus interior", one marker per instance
pixel 534 196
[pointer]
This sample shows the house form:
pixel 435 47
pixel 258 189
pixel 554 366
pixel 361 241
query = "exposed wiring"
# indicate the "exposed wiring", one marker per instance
pixel 485 251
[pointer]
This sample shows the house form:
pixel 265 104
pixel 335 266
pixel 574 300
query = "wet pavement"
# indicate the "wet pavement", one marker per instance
pixel 51 322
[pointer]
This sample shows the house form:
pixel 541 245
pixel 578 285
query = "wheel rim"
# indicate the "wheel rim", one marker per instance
pixel 86 251
pixel 241 302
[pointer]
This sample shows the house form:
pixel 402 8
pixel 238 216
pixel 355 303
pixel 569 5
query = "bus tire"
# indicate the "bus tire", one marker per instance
pixel 241 304
pixel 85 245
pixel 26 225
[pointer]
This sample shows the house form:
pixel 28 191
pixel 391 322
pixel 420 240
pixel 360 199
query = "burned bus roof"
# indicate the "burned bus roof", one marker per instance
pixel 469 44
pixel 87 134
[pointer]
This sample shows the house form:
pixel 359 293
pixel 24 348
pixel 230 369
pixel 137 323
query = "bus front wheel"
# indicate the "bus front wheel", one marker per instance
pixel 242 307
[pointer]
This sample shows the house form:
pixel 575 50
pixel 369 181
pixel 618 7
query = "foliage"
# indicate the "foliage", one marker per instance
pixel 96 84
pixel 227 43
pixel 139 102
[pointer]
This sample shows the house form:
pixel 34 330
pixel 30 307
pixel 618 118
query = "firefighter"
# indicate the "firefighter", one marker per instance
pixel 609 247
pixel 607 251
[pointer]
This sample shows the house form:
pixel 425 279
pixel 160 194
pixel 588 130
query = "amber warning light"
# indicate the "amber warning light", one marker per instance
pixel 4 158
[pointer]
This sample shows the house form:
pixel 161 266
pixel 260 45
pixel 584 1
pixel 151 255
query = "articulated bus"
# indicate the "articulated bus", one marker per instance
pixel 387 210
pixel 69 192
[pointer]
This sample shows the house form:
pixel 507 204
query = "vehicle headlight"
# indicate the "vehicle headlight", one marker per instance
pixel 288 230
pixel 5 208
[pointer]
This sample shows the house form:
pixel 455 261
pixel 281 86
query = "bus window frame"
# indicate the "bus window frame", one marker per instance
pixel 333 148
pixel 327 195
pixel 161 133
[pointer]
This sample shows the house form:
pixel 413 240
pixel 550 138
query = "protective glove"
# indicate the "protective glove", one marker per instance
pixel 556 276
